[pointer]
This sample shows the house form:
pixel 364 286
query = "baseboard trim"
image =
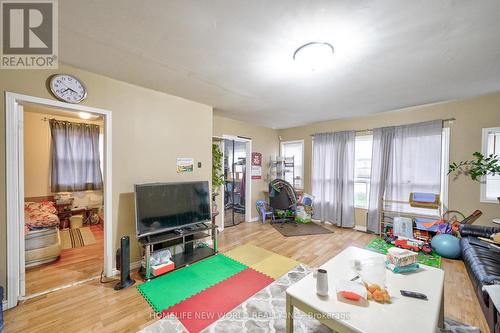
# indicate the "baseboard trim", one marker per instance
pixel 254 219
pixel 360 228
pixel 133 265
pixel 4 304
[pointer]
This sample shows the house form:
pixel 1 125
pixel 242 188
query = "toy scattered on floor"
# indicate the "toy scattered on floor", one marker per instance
pixel 304 209
pixel 446 246
pixel 264 210
pixel 301 215
pixel 379 245
pixel 412 245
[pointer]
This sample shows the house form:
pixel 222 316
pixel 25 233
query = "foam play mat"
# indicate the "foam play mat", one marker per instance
pixel 174 287
pixel 262 260
pixel 206 307
pixel 202 293
pixel 381 246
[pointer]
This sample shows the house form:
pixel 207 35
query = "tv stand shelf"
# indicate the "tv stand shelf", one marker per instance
pixel 190 255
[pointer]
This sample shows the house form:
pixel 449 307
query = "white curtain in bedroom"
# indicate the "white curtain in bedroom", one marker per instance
pixel 404 159
pixel 333 177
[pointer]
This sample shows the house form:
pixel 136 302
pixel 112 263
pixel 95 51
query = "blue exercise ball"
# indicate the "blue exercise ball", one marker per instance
pixel 447 246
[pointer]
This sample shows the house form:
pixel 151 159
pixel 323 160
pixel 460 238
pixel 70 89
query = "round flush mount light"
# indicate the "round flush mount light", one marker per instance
pixel 314 56
pixel 85 115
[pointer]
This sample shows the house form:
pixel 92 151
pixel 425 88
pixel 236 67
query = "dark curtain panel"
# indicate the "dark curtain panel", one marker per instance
pixel 75 157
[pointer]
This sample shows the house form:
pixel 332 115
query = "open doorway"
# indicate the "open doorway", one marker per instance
pixel 63 197
pixel 59 228
pixel 237 180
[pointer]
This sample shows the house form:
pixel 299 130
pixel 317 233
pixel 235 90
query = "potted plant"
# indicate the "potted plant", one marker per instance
pixel 478 167
pixel 217 170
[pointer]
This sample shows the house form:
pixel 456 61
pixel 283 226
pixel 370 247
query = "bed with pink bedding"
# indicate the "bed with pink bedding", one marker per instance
pixel 42 240
pixel 40 215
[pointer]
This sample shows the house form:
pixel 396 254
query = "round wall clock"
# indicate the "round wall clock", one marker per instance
pixel 67 88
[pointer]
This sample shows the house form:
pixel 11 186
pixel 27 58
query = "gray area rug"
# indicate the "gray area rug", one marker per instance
pixel 265 312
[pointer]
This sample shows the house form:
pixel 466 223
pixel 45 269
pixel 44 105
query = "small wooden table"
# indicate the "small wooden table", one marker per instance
pixel 408 315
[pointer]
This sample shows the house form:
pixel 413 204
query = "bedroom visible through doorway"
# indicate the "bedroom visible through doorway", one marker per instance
pixel 63 197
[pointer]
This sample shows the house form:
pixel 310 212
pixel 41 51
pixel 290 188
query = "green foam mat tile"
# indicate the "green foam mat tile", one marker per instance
pixel 174 287
pixel 381 246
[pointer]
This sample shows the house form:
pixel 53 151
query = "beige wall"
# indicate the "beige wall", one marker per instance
pixel 264 141
pixel 471 116
pixel 150 129
pixel 37 150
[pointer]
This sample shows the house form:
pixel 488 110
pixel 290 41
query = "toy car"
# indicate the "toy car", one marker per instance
pixel 408 244
pixel 413 245
pixel 422 235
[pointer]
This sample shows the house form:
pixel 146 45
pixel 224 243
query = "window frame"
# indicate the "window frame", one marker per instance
pixel 282 143
pixel 484 150
pixel 445 160
pixel 360 180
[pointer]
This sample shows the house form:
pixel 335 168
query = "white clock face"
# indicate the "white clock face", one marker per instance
pixel 67 88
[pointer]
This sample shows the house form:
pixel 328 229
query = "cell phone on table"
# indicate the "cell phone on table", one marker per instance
pixel 413 294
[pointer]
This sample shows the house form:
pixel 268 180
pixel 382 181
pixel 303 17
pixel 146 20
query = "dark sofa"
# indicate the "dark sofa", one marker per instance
pixel 483 265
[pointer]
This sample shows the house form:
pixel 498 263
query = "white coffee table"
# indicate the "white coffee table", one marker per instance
pixel 404 314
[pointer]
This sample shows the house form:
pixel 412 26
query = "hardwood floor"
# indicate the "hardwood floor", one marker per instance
pixel 73 265
pixel 95 307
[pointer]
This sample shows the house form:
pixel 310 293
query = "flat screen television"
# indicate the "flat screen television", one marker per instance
pixel 161 207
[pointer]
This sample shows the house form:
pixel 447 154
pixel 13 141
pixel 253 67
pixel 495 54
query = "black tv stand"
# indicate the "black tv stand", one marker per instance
pixel 186 240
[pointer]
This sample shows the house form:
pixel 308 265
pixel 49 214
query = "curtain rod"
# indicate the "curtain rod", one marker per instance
pixel 371 129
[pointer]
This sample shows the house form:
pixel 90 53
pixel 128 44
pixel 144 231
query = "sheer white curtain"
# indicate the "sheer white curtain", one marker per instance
pixel 383 139
pixel 333 177
pixel 405 159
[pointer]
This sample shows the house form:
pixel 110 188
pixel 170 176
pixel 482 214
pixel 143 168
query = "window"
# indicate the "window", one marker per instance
pixel 76 161
pixel 490 186
pixel 362 169
pixel 295 149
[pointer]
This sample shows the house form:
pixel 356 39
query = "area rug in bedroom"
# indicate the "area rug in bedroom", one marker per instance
pixel 73 238
pixel 265 312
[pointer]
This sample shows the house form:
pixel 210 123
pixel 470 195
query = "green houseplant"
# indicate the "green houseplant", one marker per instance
pixel 217 171
pixel 478 167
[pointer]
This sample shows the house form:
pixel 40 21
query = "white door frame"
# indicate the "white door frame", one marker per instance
pixel 15 187
pixel 248 180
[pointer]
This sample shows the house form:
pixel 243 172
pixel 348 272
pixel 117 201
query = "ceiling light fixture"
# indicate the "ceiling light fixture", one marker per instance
pixel 84 115
pixel 314 55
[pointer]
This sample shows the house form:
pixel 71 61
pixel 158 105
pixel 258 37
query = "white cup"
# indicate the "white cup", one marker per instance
pixel 322 282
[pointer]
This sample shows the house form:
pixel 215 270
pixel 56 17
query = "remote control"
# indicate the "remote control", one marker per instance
pixel 413 294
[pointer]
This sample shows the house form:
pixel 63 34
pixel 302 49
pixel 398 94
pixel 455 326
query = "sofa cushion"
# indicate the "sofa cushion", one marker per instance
pixel 482 263
pixel 477 230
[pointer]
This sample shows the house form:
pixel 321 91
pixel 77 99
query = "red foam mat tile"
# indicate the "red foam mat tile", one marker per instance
pixel 201 310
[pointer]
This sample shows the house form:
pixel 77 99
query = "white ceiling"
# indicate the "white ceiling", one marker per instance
pixel 236 55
